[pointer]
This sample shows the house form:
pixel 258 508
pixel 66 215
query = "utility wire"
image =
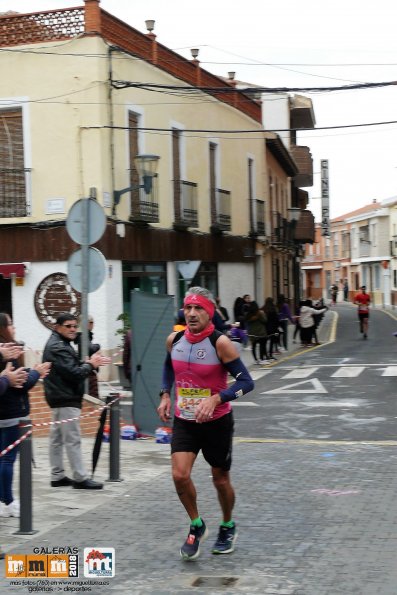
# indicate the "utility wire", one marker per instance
pixel 248 90
pixel 250 131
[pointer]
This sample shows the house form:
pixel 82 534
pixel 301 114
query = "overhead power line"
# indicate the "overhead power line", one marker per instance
pixel 249 131
pixel 248 90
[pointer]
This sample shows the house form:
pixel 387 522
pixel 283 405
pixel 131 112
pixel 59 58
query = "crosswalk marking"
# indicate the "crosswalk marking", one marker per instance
pixel 256 374
pixel 301 373
pixel 390 371
pixel 348 372
pixel 244 404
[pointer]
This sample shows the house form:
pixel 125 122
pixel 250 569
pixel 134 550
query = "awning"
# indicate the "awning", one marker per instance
pixel 15 268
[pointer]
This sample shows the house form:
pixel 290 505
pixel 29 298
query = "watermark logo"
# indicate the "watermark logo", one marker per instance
pixel 99 562
pixel 42 566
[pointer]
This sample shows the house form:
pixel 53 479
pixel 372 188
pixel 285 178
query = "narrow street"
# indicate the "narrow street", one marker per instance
pixel 315 475
pixel 344 390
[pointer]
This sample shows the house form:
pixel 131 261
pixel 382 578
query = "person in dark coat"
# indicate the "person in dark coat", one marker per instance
pixel 272 324
pixel 64 390
pixel 255 321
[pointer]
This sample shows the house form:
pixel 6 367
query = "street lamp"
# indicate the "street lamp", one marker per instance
pixel 294 214
pixel 146 166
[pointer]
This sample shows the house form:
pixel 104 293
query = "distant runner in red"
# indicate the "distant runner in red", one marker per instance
pixel 362 300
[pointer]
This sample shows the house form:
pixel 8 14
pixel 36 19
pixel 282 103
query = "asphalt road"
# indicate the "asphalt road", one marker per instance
pixel 343 390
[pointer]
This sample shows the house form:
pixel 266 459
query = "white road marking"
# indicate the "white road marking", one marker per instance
pixel 300 373
pixel 348 372
pixel 244 404
pixel 317 388
pixel 256 374
pixel 390 371
pixel 327 403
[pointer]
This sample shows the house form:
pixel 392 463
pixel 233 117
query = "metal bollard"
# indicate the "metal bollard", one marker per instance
pixel 114 442
pixel 25 480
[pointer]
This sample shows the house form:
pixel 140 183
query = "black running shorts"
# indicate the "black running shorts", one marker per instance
pixel 213 438
pixel 363 315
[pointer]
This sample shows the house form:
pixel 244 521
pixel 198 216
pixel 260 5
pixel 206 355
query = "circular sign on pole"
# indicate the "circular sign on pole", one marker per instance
pixel 95 224
pixel 96 269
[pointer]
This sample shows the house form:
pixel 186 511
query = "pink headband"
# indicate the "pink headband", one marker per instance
pixel 200 300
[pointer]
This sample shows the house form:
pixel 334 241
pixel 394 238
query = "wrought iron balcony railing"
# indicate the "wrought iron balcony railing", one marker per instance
pixel 145 206
pixel 260 218
pixel 282 233
pixel 188 211
pixel 222 220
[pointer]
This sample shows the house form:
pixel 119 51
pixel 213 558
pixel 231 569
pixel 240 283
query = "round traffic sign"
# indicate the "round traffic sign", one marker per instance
pixel 90 210
pixel 96 269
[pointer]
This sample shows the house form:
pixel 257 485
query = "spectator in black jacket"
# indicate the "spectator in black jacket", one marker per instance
pixel 272 324
pixel 64 390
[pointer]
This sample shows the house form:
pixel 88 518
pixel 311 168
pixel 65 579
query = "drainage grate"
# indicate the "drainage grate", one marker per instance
pixel 215 581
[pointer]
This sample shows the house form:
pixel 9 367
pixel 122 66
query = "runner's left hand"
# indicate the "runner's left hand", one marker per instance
pixel 205 409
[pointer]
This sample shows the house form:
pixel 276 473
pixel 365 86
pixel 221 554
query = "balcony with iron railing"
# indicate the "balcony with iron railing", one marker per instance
pixel 221 218
pixel 187 213
pixel 281 232
pixel 13 194
pixel 260 218
pixel 145 206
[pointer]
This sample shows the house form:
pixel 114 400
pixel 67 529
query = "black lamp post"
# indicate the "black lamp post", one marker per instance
pixel 146 166
pixel 294 214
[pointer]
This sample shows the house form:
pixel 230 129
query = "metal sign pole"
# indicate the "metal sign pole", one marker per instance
pixel 84 284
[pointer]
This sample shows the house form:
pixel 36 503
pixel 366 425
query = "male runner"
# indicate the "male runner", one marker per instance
pixel 362 300
pixel 198 361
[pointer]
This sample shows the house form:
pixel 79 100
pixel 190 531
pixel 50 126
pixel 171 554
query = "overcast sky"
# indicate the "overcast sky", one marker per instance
pixel 295 44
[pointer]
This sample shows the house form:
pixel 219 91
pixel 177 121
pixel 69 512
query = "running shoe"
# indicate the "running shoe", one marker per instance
pixel 191 548
pixel 225 540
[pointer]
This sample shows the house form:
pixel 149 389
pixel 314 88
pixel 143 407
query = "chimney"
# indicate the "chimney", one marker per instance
pixel 92 16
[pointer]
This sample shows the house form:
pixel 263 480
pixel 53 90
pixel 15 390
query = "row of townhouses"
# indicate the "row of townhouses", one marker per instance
pixel 360 250
pixel 85 100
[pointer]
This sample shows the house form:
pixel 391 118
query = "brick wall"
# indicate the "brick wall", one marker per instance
pixel 40 413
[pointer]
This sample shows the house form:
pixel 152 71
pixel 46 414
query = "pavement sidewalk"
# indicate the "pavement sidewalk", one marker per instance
pixel 293 525
pixel 313 519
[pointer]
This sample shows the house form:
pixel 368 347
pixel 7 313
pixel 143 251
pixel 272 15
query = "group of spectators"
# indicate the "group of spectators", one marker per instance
pixel 265 328
pixel 63 373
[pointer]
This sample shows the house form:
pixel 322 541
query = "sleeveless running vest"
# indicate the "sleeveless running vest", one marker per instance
pixel 198 374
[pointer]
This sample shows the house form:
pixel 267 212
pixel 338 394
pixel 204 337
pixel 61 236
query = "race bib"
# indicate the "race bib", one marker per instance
pixel 189 399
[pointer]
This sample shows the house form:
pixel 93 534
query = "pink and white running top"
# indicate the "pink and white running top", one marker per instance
pixel 199 373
